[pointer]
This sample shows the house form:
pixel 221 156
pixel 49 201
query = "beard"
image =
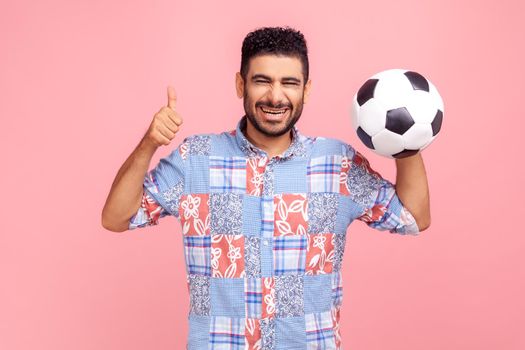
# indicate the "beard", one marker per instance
pixel 295 114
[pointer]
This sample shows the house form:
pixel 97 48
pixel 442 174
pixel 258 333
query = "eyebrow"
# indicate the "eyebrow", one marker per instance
pixel 262 76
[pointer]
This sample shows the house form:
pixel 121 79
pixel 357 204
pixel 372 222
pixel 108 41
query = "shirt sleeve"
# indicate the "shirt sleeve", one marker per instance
pixel 148 214
pixel 382 208
pixel 162 189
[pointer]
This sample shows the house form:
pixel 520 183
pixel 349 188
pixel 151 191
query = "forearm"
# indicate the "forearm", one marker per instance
pixel 412 188
pixel 125 195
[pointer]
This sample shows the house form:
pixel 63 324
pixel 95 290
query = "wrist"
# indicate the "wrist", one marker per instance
pixel 145 145
pixel 410 159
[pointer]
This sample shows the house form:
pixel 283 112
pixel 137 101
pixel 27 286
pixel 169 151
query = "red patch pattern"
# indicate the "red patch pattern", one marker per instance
pixel 252 332
pixel 152 209
pixel 343 185
pixel 291 214
pixel 194 212
pixel 268 297
pixel 254 175
pixel 336 315
pixel 359 159
pixel 373 214
pixel 319 254
pixel 227 256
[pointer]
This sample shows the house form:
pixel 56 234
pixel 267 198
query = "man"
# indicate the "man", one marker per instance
pixel 264 209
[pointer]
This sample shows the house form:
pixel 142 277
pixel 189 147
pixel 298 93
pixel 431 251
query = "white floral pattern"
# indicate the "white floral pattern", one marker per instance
pixel 194 215
pixel 226 213
pixel 199 288
pixel 289 295
pixel 322 212
pixel 252 256
pixel 291 214
pixel 227 252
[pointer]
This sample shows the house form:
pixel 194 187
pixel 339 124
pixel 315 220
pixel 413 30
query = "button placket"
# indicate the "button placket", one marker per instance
pixel 268 178
pixel 267 214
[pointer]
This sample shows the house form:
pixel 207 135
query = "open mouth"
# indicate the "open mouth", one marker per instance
pixel 273 114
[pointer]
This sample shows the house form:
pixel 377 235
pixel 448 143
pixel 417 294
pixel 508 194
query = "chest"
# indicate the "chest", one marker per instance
pixel 253 217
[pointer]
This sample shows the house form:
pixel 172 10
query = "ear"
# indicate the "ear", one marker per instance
pixel 239 85
pixel 307 88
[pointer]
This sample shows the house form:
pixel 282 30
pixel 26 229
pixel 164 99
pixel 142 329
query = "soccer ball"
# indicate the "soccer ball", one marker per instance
pixel 397 113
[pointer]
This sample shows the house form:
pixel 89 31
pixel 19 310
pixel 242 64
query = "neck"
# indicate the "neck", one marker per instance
pixel 272 145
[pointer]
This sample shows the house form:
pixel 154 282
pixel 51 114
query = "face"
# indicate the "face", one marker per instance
pixel 273 93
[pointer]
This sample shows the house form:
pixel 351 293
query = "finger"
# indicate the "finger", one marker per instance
pixel 171 115
pixel 170 124
pixel 172 97
pixel 164 131
pixel 175 118
pixel 164 140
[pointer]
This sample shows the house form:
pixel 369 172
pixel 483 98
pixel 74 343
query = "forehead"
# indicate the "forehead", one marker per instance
pixel 275 66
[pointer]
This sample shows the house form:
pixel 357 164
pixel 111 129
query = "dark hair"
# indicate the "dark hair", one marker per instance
pixel 282 41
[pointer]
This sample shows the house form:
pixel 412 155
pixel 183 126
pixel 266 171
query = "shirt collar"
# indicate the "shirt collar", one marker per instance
pixel 296 148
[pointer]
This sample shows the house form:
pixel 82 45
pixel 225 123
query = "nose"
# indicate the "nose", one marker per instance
pixel 276 95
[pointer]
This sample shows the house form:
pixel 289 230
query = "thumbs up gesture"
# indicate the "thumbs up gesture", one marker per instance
pixel 166 122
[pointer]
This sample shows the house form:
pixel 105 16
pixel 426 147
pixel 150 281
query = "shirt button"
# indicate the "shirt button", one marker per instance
pixel 265 242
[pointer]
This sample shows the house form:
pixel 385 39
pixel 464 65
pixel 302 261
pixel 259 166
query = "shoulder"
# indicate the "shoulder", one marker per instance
pixel 332 146
pixel 198 139
pixel 196 144
pixel 209 144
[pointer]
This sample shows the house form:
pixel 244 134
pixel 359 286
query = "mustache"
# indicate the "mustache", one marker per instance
pixel 270 105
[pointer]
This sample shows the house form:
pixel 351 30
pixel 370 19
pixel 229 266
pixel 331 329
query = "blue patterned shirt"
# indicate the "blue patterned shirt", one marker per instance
pixel 264 238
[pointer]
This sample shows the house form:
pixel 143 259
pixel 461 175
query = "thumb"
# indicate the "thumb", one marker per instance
pixel 172 97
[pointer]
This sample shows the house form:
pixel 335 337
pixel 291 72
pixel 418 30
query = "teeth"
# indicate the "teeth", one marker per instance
pixel 274 112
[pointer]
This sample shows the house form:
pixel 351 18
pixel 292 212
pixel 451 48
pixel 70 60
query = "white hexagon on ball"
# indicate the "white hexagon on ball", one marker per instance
pixel 387 143
pixel 422 106
pixel 372 117
pixel 417 136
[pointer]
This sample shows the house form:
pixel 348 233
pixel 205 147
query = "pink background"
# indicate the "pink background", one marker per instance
pixel 81 80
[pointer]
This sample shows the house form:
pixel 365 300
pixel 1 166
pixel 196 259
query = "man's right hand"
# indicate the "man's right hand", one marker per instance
pixel 126 192
pixel 166 123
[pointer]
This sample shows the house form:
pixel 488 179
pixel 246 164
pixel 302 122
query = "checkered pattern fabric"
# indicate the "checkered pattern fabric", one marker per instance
pixel 197 251
pixel 228 174
pixel 323 173
pixel 289 254
pixel 264 238
pixel 267 221
pixel 227 333
pixel 253 301
pixel 319 331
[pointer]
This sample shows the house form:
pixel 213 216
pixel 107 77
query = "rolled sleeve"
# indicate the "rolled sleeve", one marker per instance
pixel 388 213
pixel 162 189
pixel 381 207
pixel 148 214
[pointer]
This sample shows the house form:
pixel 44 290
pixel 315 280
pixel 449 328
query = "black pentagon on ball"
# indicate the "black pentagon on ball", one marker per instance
pixel 436 123
pixel 399 120
pixel 366 91
pixel 405 153
pixel 418 81
pixel 365 138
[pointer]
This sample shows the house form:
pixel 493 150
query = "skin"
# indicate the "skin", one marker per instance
pixel 412 188
pixel 126 191
pixel 273 82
